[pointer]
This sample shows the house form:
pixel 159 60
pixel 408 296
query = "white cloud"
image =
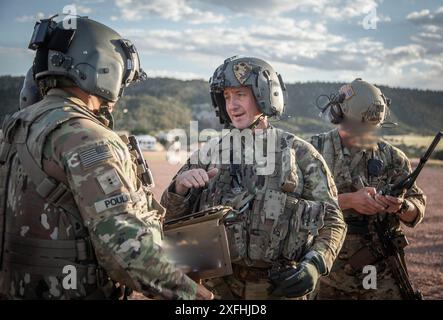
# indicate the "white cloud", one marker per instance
pixel 328 9
pixel 187 10
pixel 348 9
pixel 431 31
pixel 404 55
pixel 305 48
pixel 90 1
pixel 426 17
pixel 266 8
pixel 174 10
pixel 79 9
pixel 418 15
pixel 300 48
pixel 431 41
pixel 172 74
pixel 304 44
pixel 31 18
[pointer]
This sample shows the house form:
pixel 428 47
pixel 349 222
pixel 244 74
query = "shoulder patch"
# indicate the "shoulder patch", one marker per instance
pixel 95 155
pixel 109 181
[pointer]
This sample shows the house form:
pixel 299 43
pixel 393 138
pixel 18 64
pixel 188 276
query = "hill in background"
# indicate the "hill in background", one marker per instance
pixel 162 104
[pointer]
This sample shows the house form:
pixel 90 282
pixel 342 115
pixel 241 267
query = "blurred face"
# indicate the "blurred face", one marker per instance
pixel 359 135
pixel 241 106
pixel 359 128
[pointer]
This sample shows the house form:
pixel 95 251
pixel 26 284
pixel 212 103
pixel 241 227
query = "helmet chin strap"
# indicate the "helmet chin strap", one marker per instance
pixel 107 115
pixel 256 122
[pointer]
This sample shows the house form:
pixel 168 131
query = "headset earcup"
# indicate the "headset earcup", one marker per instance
pixel 336 115
pixel 219 103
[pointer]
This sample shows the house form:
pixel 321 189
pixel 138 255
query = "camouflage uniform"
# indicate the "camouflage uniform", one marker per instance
pixel 349 168
pixel 286 213
pixel 105 223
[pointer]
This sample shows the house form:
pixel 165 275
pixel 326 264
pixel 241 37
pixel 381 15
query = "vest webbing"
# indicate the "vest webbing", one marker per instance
pixel 52 191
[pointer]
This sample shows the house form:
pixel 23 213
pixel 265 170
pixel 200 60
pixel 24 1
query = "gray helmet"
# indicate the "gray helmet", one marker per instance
pixel 266 85
pixel 360 102
pixel 30 92
pixel 92 56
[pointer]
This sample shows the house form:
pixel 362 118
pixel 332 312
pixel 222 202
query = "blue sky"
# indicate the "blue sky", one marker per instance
pixel 391 42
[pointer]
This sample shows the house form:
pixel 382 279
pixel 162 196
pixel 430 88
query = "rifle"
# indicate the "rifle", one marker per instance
pixel 399 188
pixel 393 242
pixel 143 170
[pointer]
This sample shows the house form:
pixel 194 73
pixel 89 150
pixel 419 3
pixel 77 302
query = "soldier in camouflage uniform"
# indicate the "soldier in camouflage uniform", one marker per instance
pixel 76 221
pixel 287 228
pixel 362 164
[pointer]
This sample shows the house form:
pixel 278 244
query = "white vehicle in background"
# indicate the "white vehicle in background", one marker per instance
pixel 147 142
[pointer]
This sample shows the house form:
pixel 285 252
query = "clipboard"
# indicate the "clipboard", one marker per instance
pixel 197 243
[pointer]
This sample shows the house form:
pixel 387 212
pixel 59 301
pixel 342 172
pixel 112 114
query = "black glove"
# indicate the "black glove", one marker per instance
pixel 298 281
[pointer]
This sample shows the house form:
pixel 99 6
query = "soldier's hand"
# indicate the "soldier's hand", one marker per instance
pixel 391 204
pixel 203 293
pixel 294 281
pixel 363 201
pixel 195 275
pixel 194 178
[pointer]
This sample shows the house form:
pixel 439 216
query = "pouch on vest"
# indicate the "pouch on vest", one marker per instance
pixel 236 234
pixel 304 224
pixel 274 209
pixel 289 179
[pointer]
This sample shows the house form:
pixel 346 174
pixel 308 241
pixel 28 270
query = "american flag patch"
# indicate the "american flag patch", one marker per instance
pixel 93 156
pixel 347 90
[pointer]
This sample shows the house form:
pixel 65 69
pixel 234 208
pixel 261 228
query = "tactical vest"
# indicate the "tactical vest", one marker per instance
pixel 44 257
pixel 272 223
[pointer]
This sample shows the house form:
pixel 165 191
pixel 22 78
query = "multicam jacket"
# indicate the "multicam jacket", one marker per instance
pixel 281 213
pixel 72 201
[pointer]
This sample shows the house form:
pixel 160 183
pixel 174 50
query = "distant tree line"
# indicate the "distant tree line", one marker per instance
pixel 160 104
